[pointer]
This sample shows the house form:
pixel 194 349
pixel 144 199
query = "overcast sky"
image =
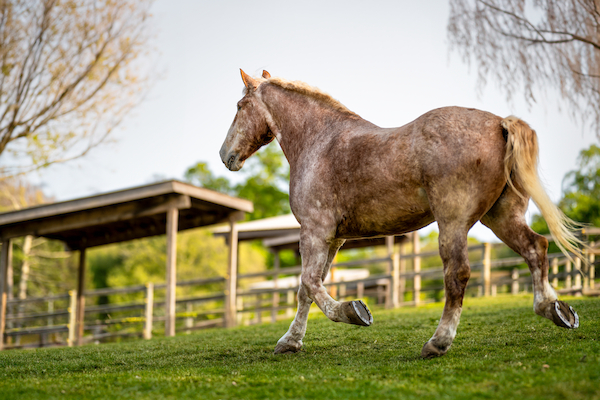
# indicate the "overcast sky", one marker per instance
pixel 386 60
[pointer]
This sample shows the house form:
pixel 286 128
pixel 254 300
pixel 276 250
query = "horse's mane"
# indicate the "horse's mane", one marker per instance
pixel 310 91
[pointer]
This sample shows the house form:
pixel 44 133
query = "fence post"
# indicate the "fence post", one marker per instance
pixel 332 288
pixel 555 272
pixel 149 311
pixel 390 270
pixel 239 308
pixel 232 272
pixel 402 276
pixel 276 266
pixel 592 270
pixel 289 312
pixel 578 272
pixel 360 290
pixel 396 280
pixel 515 281
pixel 568 271
pixel 487 268
pixel 189 320
pixel 416 268
pixel 72 317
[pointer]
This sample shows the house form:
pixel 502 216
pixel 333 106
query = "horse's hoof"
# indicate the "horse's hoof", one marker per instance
pixel 287 348
pixel 357 313
pixel 564 316
pixel 431 351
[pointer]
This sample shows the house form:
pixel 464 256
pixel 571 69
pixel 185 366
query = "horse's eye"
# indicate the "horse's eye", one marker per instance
pixel 239 107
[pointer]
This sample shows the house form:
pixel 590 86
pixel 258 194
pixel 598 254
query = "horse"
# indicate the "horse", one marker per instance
pixel 350 179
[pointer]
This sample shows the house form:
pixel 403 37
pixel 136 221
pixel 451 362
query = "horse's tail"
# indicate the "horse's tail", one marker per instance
pixel 521 160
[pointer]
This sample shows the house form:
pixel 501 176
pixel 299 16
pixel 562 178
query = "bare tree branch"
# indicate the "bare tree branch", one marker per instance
pixel 528 46
pixel 68 76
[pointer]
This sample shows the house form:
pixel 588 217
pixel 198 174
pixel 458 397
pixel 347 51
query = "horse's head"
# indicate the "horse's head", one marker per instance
pixel 249 130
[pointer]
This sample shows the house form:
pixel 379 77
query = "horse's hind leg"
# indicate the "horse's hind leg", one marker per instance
pixel 454 254
pixel 506 220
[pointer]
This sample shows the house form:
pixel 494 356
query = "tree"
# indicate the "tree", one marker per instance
pixel 581 191
pixel 68 76
pixel 528 46
pixel 266 182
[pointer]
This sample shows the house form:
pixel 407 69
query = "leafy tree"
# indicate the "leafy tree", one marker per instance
pixel 266 177
pixel 68 76
pixel 581 191
pixel 533 45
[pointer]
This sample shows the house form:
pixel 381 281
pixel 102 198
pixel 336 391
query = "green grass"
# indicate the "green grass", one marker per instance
pixel 502 351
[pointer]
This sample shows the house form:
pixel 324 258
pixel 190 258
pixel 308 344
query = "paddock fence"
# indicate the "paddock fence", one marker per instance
pixel 398 279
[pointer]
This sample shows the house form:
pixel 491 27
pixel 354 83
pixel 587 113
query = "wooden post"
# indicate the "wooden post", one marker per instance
pixel 416 268
pixel 5 260
pixel 396 281
pixel 10 295
pixel 592 269
pixel 568 271
pixel 172 221
pixel 555 272
pixel 360 290
pixel 149 311
pixel 487 269
pixel 276 267
pixel 240 307
pixel 290 300
pixel 72 326
pixel 402 278
pixel 578 272
pixel 189 320
pixel 80 317
pixel 231 289
pixel 332 288
pixel 392 286
pixel 258 312
pixel 515 281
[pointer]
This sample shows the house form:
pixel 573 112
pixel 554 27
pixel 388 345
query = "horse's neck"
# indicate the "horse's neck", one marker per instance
pixel 302 125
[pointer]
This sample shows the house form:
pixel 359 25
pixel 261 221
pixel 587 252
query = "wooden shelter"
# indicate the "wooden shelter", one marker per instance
pixel 160 208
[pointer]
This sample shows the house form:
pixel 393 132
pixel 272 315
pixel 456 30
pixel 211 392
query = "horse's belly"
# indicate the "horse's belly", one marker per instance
pixel 385 215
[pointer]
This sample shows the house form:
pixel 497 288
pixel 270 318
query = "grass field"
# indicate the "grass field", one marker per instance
pixel 502 351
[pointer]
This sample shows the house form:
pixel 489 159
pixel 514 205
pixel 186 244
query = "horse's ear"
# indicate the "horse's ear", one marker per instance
pixel 266 75
pixel 249 82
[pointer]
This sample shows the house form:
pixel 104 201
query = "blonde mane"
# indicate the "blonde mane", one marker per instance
pixel 310 91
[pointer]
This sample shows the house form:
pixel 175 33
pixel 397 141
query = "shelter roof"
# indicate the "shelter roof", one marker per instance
pixel 123 215
pixel 263 228
pixel 283 232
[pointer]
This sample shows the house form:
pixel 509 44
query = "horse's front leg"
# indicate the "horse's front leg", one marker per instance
pixel 317 255
pixel 291 342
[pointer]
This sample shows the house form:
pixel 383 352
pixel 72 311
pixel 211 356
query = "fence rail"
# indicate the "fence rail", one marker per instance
pixel 395 287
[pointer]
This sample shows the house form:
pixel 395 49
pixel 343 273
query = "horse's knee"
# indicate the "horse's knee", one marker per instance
pixel 455 282
pixel 310 283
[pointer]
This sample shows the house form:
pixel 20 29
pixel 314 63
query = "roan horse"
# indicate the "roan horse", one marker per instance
pixel 350 178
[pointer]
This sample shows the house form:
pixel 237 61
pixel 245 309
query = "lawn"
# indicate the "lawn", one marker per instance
pixel 502 350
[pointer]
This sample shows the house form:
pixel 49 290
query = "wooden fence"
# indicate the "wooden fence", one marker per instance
pixel 136 311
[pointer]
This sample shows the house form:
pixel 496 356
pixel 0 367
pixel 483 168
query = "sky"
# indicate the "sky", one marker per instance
pixel 388 61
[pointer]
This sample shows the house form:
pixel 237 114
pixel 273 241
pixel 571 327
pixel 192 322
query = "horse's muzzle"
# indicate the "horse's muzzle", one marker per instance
pixel 231 160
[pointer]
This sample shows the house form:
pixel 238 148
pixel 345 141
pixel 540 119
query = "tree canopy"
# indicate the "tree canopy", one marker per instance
pixel 265 182
pixel 529 46
pixel 68 76
pixel 581 191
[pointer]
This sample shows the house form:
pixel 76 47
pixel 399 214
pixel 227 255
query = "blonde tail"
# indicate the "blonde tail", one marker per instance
pixel 521 160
